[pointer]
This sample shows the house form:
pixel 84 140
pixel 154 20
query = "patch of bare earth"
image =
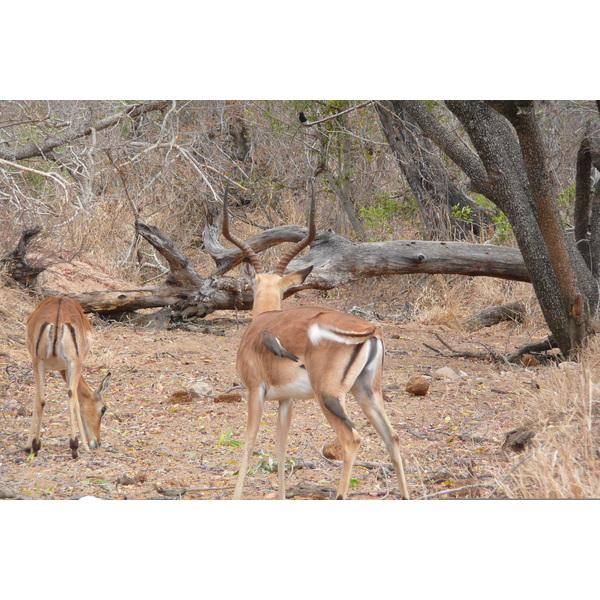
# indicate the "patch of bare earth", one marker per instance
pixel 159 441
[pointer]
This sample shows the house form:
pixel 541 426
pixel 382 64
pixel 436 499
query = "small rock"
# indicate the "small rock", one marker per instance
pixel 125 480
pixel 201 389
pixel 518 439
pixel 6 493
pixel 333 450
pixel 171 491
pixel 529 360
pixel 417 385
pixel 446 373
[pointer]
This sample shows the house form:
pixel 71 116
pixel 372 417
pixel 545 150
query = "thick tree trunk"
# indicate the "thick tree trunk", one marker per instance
pixel 587 200
pixel 498 170
pixel 549 219
pixel 436 194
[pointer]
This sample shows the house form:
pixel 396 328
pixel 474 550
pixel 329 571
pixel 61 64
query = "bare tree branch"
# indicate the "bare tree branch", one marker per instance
pixel 339 114
pixel 54 141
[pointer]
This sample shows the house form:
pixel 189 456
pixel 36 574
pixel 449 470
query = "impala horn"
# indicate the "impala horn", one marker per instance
pixel 243 246
pixel 312 230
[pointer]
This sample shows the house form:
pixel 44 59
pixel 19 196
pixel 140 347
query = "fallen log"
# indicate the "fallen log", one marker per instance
pixel 336 261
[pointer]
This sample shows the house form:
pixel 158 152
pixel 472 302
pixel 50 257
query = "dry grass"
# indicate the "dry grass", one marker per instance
pixel 15 306
pixel 563 461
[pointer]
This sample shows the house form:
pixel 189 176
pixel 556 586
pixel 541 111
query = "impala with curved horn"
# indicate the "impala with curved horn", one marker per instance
pixel 308 352
pixel 58 336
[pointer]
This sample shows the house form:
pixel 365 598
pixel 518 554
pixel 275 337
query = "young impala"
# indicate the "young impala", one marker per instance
pixel 58 338
pixel 308 352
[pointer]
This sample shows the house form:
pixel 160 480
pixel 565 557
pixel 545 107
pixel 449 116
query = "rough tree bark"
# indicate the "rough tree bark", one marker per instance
pixel 510 170
pixel 436 194
pixel 587 199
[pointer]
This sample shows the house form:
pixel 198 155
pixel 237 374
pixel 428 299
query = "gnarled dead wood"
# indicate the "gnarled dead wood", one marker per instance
pixel 16 264
pixel 335 259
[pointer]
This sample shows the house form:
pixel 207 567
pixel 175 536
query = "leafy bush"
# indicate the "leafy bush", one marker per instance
pixel 380 215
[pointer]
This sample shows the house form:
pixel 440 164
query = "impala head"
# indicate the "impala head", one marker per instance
pixel 269 288
pixel 92 409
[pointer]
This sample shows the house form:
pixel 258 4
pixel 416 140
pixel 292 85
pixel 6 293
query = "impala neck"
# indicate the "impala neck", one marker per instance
pixel 268 293
pixel 270 287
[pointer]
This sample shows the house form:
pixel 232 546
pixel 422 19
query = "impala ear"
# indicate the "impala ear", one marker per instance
pixel 102 387
pixel 296 277
pixel 248 271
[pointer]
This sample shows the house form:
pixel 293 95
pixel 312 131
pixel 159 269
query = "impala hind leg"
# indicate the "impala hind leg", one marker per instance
pixel 284 418
pixel 335 413
pixel 371 402
pixel 34 441
pixel 255 410
pixel 72 378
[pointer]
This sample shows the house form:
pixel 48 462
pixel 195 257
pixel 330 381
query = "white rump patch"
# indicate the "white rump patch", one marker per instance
pixel 317 333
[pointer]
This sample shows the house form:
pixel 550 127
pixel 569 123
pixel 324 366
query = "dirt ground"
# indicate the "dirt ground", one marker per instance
pixel 159 442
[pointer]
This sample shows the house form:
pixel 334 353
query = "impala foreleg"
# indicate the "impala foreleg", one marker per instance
pixel 333 408
pixel 256 398
pixel 284 418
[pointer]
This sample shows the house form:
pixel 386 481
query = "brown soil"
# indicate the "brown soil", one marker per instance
pixel 159 442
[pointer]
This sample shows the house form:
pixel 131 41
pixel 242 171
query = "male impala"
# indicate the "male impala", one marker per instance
pixel 308 352
pixel 58 338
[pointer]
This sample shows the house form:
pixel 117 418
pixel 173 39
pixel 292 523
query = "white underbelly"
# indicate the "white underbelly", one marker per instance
pixel 299 388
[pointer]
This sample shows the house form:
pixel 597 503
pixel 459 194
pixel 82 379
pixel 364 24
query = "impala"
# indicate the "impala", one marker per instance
pixel 58 336
pixel 303 353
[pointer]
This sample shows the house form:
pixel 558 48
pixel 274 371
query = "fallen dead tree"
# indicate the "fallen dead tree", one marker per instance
pixel 336 261
pixel 188 295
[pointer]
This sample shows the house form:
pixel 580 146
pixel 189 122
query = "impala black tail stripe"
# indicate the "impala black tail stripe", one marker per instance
pixel 353 357
pixel 74 336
